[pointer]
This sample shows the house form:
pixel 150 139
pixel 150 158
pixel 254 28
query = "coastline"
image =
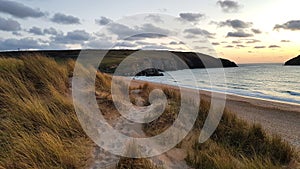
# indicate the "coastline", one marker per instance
pixel 279 118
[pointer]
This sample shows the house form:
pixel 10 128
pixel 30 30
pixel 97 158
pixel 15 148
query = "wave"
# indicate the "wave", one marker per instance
pixel 293 93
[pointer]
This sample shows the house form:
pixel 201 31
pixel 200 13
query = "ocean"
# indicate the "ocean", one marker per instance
pixel 265 81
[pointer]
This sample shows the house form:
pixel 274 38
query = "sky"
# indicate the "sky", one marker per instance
pixel 243 31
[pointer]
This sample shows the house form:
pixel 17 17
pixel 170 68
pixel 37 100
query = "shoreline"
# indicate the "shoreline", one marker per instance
pixel 275 117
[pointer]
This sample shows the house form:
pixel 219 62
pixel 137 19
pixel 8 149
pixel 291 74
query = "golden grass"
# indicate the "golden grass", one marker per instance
pixel 38 125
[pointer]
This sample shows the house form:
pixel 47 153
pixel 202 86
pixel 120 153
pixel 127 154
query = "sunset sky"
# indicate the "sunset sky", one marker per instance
pixel 243 31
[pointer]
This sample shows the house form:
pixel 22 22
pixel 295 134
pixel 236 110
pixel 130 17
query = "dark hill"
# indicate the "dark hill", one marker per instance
pixel 114 57
pixel 295 61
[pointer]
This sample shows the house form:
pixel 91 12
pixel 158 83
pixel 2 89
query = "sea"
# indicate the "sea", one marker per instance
pixel 264 81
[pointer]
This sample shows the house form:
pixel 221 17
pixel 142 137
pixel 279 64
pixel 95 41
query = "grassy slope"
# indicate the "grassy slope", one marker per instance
pixel 39 128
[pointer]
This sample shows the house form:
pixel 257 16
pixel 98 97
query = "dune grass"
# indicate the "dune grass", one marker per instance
pixel 39 127
pixel 234 144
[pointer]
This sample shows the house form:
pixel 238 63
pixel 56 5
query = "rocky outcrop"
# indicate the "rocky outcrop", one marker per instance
pixel 228 63
pixel 293 62
pixel 150 72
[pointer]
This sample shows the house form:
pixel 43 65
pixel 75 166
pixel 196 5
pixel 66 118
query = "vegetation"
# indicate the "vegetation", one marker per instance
pixel 39 127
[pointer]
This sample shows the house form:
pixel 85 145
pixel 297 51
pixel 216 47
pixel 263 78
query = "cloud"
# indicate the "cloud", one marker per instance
pixel 238 34
pixel 19 10
pixel 176 43
pixel 24 43
pixel 285 41
pixel 236 24
pixel 215 43
pixel 198 31
pixel 191 17
pixel 144 31
pixel 76 36
pixel 256 31
pixel 65 19
pixel 126 45
pixel 103 21
pixel 36 31
pixel 259 47
pixel 229 6
pixel 236 42
pixel 241 46
pixel 9 25
pixel 144 36
pixel 16 33
pixel 51 31
pixel 229 46
pixel 252 41
pixel 155 18
pixel 274 46
pixel 290 25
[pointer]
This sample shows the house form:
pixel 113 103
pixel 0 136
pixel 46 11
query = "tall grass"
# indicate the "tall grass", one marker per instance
pixel 38 125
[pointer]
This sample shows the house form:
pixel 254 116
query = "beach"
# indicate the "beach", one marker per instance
pixel 275 117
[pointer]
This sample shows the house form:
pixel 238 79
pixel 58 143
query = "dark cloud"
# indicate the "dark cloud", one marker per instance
pixel 24 43
pixel 229 6
pixel 229 46
pixel 144 36
pixel 236 42
pixel 51 31
pixel 19 10
pixel 236 24
pixel 256 31
pixel 155 18
pixel 16 33
pixel 274 46
pixel 215 43
pixel 176 43
pixel 198 31
pixel 65 19
pixel 290 25
pixel 239 34
pixel 191 17
pixel 149 28
pixel 126 45
pixel 36 31
pixel 241 46
pixel 259 47
pixel 252 41
pixel 76 36
pixel 103 21
pixel 9 25
pixel 145 31
pixel 285 41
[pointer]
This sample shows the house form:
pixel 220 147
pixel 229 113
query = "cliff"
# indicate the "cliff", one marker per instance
pixel 295 61
pixel 160 60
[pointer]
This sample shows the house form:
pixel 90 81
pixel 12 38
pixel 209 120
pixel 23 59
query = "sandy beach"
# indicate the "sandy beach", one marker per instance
pixel 278 118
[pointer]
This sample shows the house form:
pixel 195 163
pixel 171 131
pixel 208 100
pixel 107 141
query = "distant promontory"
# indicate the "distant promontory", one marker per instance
pixel 293 62
pixel 154 61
